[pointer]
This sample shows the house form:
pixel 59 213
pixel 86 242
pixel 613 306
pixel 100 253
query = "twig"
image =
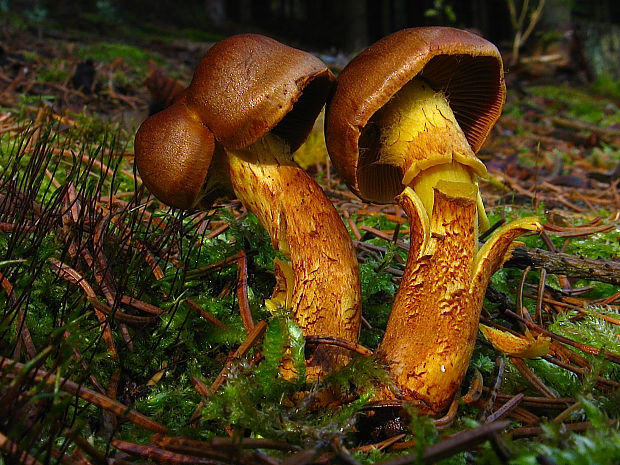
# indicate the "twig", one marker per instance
pixel 564 414
pixel 206 315
pixel 141 305
pixel 243 349
pixel 447 420
pixel 12 449
pixel 118 315
pixel 609 132
pixel 71 275
pixel 518 23
pixel 342 453
pixel 158 454
pixel 217 231
pixel 382 235
pixel 104 278
pixel 475 390
pixel 101 309
pixel 540 295
pixel 381 445
pixel 607 271
pixel 303 457
pixel 198 272
pixel 529 431
pixel 580 309
pixel 578 231
pixel 352 225
pixel 89 395
pixel 242 292
pixel 454 444
pixel 539 402
pixel 600 381
pixel 521 286
pixel 339 342
pixel 500 366
pixel 505 409
pixel 532 378
pixel 95 454
pixel 206 448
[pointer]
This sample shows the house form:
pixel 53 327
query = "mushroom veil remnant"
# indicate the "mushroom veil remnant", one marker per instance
pixel 251 103
pixel 403 125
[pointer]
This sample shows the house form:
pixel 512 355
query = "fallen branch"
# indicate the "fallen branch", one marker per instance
pixel 571 266
pixel 609 132
pixel 207 448
pixel 13 449
pixel 530 431
pixel 454 444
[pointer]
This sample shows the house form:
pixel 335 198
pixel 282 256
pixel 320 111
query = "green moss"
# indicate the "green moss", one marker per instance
pixel 598 445
pixel 54 72
pixel 591 329
pixel 577 103
pixel 482 362
pixel 106 52
pixel 600 245
pixel 606 86
pixel 200 35
pixel 251 396
pixel 255 397
pixel 170 402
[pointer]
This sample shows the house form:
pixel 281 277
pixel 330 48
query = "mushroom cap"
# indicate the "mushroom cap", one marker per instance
pixel 465 67
pixel 248 84
pixel 173 152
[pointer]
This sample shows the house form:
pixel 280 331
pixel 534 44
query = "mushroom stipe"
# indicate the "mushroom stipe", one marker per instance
pixel 251 103
pixel 403 125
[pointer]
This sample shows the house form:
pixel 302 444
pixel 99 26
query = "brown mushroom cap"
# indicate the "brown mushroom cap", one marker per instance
pixel 248 84
pixel 465 67
pixel 244 87
pixel 173 154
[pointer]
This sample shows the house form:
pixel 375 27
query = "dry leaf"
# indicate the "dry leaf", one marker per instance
pixel 526 346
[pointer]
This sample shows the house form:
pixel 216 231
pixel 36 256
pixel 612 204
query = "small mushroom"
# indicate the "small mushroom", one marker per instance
pixel 403 125
pixel 250 105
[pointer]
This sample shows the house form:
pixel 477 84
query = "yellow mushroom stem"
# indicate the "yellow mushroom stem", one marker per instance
pixel 432 328
pixel 320 282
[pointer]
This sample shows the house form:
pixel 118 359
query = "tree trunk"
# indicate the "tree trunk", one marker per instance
pixel 216 13
pixel 356 31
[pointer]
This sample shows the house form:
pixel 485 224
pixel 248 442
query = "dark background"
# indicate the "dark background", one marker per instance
pixel 345 25
pixel 584 34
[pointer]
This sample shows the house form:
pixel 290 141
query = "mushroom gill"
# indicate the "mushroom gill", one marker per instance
pixel 251 103
pixel 403 125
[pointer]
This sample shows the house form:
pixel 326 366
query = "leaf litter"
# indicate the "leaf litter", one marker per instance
pixel 107 290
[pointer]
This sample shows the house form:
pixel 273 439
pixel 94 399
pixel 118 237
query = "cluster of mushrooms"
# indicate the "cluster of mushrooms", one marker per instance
pixel 404 120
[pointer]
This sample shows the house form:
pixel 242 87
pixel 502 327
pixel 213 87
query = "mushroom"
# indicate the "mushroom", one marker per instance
pixel 403 125
pixel 251 103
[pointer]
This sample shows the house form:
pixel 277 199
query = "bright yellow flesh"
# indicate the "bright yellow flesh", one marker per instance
pixel 270 154
pixel 425 183
pixel 432 327
pixel 419 130
pixel 420 134
pixel 319 278
pixel 414 110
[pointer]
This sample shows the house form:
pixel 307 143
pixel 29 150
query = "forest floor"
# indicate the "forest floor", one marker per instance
pixel 122 335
